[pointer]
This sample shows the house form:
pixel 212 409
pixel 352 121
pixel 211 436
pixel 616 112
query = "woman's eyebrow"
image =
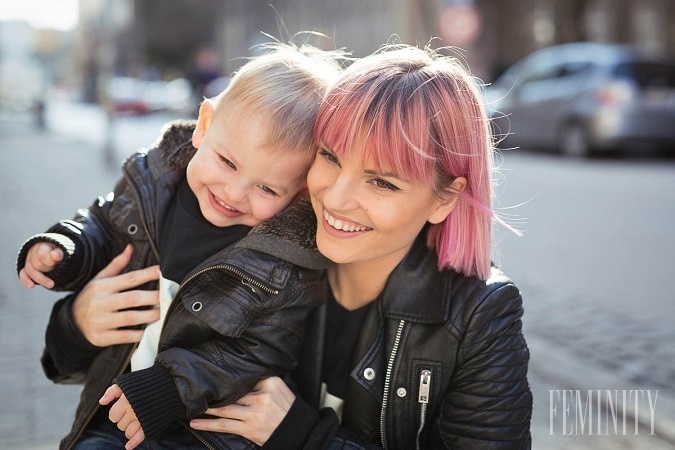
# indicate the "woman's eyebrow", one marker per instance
pixel 383 174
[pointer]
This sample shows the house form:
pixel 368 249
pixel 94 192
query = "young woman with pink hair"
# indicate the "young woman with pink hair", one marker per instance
pixel 419 344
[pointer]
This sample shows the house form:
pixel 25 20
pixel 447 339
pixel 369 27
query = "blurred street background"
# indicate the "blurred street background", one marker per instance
pixel 84 83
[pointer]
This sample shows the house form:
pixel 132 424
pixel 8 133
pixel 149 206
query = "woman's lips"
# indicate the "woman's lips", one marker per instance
pixel 342 227
pixel 223 207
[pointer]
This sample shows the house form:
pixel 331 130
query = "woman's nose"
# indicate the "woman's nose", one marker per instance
pixel 340 193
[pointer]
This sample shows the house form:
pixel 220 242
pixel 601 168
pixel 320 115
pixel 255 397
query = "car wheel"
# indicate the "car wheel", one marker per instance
pixel 573 141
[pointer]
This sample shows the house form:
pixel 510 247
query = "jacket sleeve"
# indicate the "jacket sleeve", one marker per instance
pixel 86 243
pixel 489 403
pixel 67 353
pixel 252 338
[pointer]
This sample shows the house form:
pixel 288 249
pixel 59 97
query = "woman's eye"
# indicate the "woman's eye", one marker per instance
pixel 382 184
pixel 228 162
pixel 330 157
pixel 267 190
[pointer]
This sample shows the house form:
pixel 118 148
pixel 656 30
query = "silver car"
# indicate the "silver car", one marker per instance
pixel 583 98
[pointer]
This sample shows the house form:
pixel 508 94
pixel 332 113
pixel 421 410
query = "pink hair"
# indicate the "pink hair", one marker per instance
pixel 422 116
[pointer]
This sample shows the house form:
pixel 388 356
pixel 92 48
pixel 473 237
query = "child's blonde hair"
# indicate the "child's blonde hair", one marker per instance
pixel 287 84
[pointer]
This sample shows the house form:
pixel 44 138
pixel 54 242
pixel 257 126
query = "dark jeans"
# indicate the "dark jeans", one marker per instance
pixel 104 435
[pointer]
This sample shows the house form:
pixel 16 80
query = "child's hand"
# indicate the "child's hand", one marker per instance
pixel 124 416
pixel 41 258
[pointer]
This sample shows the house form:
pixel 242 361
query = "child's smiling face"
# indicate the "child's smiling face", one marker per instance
pixel 238 177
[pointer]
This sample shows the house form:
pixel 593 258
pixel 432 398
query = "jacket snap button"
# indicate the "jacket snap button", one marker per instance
pixel 401 392
pixel 133 228
pixel 197 306
pixel 369 374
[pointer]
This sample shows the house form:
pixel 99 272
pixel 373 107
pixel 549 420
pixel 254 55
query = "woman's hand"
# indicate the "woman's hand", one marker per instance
pixel 98 310
pixel 255 416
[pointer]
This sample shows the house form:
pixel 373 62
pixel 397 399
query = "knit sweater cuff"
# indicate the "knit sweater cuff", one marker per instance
pixel 153 397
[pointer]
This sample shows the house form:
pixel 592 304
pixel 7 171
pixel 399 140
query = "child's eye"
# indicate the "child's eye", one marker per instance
pixel 228 162
pixel 383 184
pixel 267 190
pixel 329 156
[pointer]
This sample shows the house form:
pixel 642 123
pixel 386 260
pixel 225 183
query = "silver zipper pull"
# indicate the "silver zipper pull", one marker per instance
pixel 423 399
pixel 425 384
pixel 249 285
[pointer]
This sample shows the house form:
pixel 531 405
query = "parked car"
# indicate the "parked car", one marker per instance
pixel 583 98
pixel 138 97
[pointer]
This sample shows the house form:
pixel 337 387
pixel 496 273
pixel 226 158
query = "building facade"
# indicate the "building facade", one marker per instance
pixel 163 35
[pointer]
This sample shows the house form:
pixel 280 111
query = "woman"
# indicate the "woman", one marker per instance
pixel 427 350
pixel 419 344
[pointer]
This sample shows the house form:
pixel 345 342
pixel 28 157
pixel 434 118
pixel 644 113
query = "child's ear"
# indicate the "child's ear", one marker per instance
pixel 206 111
pixel 448 202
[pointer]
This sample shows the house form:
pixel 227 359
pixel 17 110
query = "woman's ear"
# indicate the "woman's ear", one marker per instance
pixel 206 112
pixel 447 203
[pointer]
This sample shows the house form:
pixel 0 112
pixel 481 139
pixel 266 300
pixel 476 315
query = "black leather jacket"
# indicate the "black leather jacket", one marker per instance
pixel 442 356
pixel 238 317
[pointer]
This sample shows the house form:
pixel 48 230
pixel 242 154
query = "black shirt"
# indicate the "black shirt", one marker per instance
pixel 342 331
pixel 186 238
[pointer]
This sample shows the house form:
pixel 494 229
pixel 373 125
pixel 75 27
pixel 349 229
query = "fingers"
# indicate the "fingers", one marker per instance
pixel 25 279
pixel 114 337
pixel 134 299
pixel 127 281
pixel 118 263
pixel 41 258
pixel 135 437
pixel 46 256
pixel 111 394
pixel 37 276
pixel 219 425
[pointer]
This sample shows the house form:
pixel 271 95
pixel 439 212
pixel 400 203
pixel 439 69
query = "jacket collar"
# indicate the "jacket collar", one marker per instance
pixel 416 290
pixel 290 235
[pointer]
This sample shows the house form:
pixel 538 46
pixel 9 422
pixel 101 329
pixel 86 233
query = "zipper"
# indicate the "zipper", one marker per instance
pixel 423 399
pixel 245 280
pixel 387 381
pixel 93 413
pixel 198 436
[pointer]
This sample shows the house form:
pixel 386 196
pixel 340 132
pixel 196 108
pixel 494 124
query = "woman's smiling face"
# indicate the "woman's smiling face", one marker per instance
pixel 365 214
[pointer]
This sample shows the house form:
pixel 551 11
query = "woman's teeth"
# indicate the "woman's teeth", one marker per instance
pixel 341 225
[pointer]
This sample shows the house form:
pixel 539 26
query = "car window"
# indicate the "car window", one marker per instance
pixel 559 71
pixel 576 68
pixel 548 73
pixel 647 74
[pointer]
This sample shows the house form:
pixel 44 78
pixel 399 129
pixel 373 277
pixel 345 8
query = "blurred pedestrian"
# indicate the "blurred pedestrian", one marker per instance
pixel 204 69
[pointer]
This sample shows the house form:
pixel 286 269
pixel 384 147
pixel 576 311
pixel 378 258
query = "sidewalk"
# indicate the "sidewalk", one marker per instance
pixel 573 345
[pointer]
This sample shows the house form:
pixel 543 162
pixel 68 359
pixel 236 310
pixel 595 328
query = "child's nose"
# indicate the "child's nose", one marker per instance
pixel 236 192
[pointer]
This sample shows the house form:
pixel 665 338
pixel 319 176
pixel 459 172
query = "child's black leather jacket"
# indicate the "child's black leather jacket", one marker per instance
pixel 237 318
